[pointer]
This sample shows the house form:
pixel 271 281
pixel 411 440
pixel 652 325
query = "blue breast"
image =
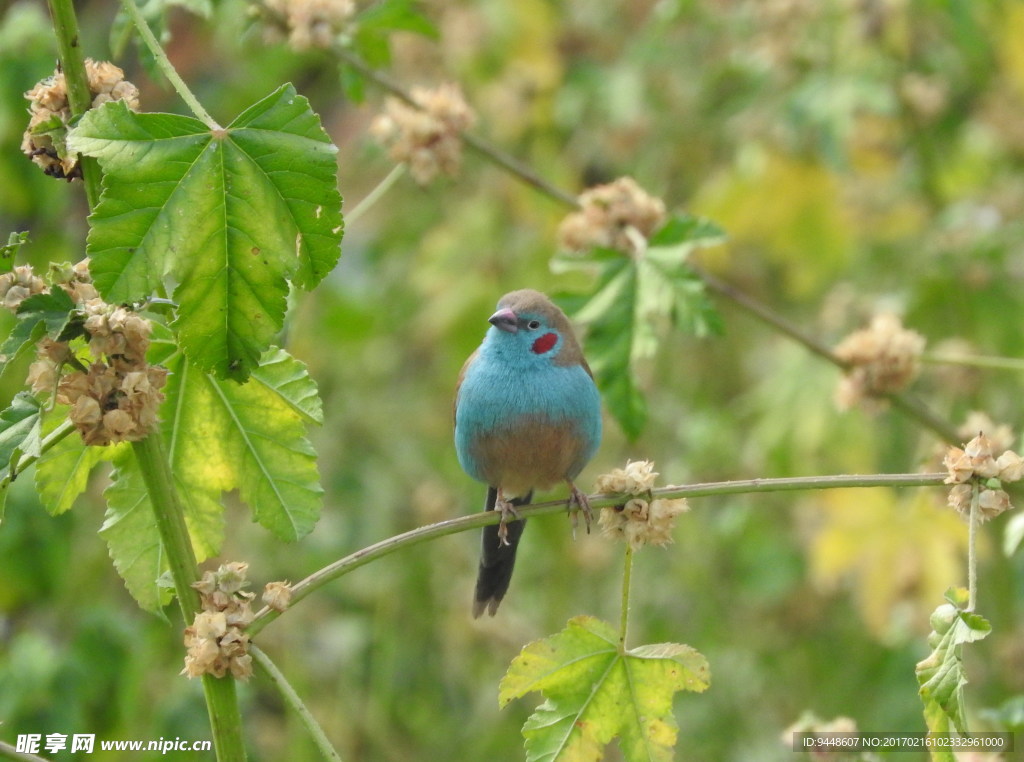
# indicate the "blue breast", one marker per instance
pixel 497 395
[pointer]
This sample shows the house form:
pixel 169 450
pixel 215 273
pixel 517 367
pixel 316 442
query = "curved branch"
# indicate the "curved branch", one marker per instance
pixel 386 547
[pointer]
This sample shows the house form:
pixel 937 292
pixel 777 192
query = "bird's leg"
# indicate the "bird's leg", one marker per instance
pixel 508 513
pixel 582 503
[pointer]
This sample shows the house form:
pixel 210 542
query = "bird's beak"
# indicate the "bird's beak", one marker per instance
pixel 504 320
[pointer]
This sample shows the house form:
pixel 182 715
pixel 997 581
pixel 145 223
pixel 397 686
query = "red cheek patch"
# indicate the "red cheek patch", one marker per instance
pixel 544 343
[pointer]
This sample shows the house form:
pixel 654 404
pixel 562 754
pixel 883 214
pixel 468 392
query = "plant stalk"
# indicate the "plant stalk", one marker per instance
pixel 221 699
pixel 375 195
pixel 972 548
pixel 295 702
pixel 165 66
pixel 72 61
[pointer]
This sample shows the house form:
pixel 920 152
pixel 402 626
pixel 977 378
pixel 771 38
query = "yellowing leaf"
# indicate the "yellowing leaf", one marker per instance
pixel 595 692
pixel 895 549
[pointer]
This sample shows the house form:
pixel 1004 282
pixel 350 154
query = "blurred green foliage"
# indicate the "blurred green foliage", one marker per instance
pixel 859 155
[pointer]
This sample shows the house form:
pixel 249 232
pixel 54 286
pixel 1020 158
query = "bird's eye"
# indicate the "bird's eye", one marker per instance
pixel 533 325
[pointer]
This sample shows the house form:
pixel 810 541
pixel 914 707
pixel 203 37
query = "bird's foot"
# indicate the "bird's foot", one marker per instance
pixel 582 502
pixel 508 513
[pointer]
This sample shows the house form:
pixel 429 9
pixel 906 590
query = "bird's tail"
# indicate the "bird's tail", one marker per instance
pixel 496 558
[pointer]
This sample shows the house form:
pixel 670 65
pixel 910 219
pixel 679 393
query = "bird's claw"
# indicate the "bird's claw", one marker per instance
pixel 582 503
pixel 508 513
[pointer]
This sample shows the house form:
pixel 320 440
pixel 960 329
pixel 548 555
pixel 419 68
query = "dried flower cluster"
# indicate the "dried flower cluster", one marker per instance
pixel 50 113
pixel 277 595
pixel 427 137
pixel 977 467
pixel 306 23
pixel 620 215
pixel 115 398
pixel 641 520
pixel 881 359
pixel 215 640
pixel 18 285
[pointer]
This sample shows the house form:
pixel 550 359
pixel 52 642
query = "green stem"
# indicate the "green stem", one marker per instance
pixel 221 699
pixel 975 361
pixel 164 64
pixel 11 752
pixel 375 195
pixel 295 702
pixel 72 61
pixel 170 520
pixel 627 574
pixel 386 547
pixel 51 439
pixel 972 554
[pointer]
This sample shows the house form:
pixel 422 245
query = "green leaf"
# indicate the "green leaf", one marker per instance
pixel 636 300
pixel 289 380
pixel 941 674
pixel 9 251
pixel 231 214
pixel 595 693
pixel 393 15
pixel 62 472
pixel 20 427
pixel 374 25
pixel 39 314
pixel 612 347
pixel 133 541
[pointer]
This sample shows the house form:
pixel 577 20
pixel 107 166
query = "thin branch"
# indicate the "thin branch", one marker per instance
pixel 49 441
pixel 165 66
pixel 972 547
pixel 906 403
pixel 295 702
pixel 72 61
pixel 481 146
pixel 11 752
pixel 370 553
pixel 974 361
pixel 375 195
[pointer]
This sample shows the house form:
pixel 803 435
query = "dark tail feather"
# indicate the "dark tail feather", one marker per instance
pixel 496 559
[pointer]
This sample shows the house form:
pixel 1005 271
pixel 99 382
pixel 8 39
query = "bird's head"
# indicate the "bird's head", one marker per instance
pixel 528 328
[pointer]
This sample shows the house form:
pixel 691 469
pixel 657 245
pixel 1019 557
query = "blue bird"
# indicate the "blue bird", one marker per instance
pixel 527 416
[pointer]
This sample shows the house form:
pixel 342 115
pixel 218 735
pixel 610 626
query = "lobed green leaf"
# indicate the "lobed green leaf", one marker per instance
pixel 595 692
pixel 230 215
